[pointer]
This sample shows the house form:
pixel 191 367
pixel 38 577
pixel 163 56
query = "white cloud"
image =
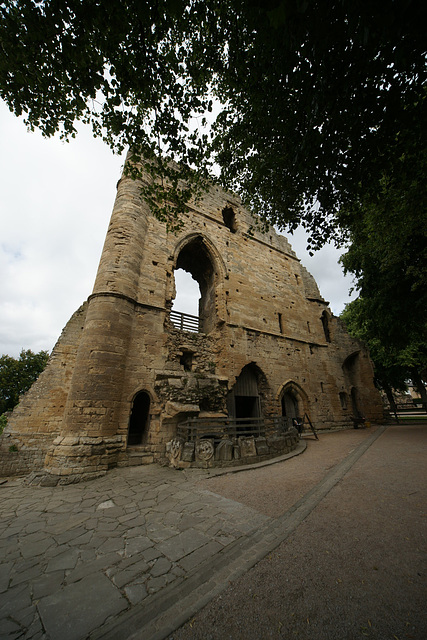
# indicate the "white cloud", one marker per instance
pixel 55 205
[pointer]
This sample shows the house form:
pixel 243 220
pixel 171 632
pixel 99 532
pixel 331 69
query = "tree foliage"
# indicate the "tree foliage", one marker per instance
pixel 392 367
pixel 18 374
pixel 320 120
pixel 388 258
pixel 318 99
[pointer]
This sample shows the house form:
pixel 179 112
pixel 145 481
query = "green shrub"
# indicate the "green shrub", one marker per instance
pixel 3 422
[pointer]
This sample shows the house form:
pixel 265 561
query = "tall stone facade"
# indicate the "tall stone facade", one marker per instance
pixel 123 376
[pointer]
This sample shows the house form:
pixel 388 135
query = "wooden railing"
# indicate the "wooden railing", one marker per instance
pixel 218 428
pixel 408 411
pixel 185 321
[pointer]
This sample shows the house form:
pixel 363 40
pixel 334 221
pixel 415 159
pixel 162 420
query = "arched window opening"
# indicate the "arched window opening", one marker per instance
pixel 343 400
pixel 187 293
pixel 229 218
pixel 325 323
pixel 354 381
pixel 139 419
pixel 196 260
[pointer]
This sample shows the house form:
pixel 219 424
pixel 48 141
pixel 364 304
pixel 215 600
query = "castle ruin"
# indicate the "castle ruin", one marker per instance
pixel 131 381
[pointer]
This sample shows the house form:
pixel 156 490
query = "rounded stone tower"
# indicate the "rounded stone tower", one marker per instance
pixel 89 440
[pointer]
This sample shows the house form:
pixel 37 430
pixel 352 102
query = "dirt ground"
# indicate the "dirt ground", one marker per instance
pixel 356 566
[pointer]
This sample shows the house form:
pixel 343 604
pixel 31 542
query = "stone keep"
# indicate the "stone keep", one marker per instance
pixel 122 376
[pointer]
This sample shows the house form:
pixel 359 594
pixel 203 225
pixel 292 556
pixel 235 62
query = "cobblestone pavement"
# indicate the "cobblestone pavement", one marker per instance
pixel 136 553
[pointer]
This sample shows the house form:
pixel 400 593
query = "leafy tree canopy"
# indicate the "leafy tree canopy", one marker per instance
pixel 17 375
pixel 388 258
pixel 320 99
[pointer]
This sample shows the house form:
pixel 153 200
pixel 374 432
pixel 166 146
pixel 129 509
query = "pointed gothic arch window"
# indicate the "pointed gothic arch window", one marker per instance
pixel 196 259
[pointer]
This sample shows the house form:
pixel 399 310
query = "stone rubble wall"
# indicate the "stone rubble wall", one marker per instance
pixel 205 453
pixel 36 420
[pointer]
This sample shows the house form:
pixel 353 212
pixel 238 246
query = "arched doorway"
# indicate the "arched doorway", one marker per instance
pixel 139 418
pixel 290 408
pixel 352 374
pixel 243 401
pixel 294 402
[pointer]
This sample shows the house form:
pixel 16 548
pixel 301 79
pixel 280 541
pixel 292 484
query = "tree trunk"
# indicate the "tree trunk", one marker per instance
pixel 390 398
pixel 419 385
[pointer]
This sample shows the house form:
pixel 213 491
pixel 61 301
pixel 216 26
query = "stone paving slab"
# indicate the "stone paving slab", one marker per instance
pixel 74 557
pixel 130 555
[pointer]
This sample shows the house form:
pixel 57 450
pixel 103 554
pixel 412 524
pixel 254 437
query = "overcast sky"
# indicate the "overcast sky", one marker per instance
pixel 56 202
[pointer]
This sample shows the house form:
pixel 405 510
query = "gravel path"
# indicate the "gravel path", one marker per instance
pixel 355 568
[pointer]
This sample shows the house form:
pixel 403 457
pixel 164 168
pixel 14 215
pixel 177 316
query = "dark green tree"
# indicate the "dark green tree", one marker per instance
pixel 318 98
pixel 321 116
pixel 388 258
pixel 392 368
pixel 18 374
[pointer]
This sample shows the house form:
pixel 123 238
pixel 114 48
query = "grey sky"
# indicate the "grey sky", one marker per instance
pixel 55 206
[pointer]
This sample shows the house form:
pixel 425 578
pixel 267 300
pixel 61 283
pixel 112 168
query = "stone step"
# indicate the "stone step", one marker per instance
pixel 137 456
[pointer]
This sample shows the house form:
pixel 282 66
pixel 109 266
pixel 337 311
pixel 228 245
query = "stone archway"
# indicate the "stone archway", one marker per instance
pixel 293 401
pixel 198 256
pixel 248 397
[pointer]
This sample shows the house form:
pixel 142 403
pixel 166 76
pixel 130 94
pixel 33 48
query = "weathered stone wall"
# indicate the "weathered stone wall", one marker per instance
pixel 37 419
pixel 259 307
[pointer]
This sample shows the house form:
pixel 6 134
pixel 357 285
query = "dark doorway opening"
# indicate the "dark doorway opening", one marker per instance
pixel 289 405
pixel 355 403
pixel 138 422
pixel 244 401
pixel 247 406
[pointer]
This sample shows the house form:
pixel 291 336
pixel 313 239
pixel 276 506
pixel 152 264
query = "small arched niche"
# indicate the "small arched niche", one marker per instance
pixel 139 419
pixel 196 259
pixel 343 400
